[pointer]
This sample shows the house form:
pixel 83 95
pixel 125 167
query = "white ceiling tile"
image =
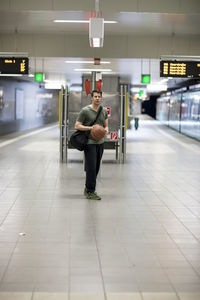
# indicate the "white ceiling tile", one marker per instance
pixel 129 23
pixel 138 46
pixel 30 4
pixel 194 46
pixel 72 46
pixel 8 43
pixel 160 6
pixel 165 45
pixel 114 46
pixel 181 45
pixel 86 5
pixel 191 6
pixel 117 6
pixel 25 44
pixel 53 45
pixel 4 4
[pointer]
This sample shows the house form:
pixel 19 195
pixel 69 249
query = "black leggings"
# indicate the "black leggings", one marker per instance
pixel 93 155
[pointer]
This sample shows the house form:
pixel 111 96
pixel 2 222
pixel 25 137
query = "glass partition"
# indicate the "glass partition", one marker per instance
pixel 190 114
pixel 174 111
pixel 162 110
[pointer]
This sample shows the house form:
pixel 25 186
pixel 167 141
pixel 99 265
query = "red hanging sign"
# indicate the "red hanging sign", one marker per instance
pixel 87 86
pixel 108 111
pixel 99 85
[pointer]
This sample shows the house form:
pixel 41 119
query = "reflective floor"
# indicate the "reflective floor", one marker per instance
pixel 140 242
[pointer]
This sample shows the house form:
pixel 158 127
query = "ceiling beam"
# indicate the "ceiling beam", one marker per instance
pixel 115 46
pixel 148 6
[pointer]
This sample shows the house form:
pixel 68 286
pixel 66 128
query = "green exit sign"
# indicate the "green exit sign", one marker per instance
pixel 141 93
pixel 146 78
pixel 39 77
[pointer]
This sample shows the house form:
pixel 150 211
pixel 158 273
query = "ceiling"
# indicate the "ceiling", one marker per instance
pixel 133 23
pixel 128 23
pixel 129 70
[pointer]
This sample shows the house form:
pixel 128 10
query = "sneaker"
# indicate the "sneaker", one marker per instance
pixel 93 196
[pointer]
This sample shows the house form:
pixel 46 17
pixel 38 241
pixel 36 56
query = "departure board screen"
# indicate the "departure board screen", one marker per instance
pixel 14 65
pixel 181 69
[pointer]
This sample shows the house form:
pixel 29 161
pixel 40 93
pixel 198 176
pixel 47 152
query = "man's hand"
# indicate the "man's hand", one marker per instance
pixel 106 129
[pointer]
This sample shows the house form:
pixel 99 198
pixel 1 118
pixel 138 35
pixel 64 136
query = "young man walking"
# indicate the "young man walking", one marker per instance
pixel 94 149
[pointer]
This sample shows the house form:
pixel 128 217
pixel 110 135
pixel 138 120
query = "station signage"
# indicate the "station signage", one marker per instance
pixel 114 136
pixel 14 65
pixel 181 69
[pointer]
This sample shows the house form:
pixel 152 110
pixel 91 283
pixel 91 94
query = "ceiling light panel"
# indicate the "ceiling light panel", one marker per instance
pixel 71 21
pixel 82 21
pixel 93 70
pixel 85 62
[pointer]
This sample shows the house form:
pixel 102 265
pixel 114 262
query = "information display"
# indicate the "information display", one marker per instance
pixel 14 65
pixel 181 69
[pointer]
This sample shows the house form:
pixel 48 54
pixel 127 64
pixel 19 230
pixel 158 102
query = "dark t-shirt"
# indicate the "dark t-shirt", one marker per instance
pixel 87 115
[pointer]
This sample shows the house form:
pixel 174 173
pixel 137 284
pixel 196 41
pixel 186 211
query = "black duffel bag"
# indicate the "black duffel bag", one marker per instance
pixel 79 139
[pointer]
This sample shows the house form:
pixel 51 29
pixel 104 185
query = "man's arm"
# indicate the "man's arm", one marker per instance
pixel 80 126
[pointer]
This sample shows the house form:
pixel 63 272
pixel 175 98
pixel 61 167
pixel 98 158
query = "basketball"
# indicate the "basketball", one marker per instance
pixel 98 132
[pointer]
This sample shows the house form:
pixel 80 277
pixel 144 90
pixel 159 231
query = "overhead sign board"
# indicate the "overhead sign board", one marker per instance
pixel 181 69
pixel 14 65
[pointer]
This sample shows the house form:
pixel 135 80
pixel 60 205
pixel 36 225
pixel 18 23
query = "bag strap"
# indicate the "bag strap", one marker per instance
pixel 99 111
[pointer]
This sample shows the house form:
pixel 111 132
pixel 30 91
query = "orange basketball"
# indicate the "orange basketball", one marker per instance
pixel 98 132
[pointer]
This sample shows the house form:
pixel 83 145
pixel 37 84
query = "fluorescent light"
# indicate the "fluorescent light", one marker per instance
pixel 71 21
pixel 76 88
pixel 104 62
pixel 135 89
pixel 164 80
pixel 85 62
pixel 30 75
pixel 156 87
pixel 110 22
pixel 82 21
pixel 10 75
pixel 93 70
pixel 53 84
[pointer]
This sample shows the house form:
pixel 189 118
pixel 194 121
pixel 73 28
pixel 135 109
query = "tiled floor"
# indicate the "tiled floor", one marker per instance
pixel 141 242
